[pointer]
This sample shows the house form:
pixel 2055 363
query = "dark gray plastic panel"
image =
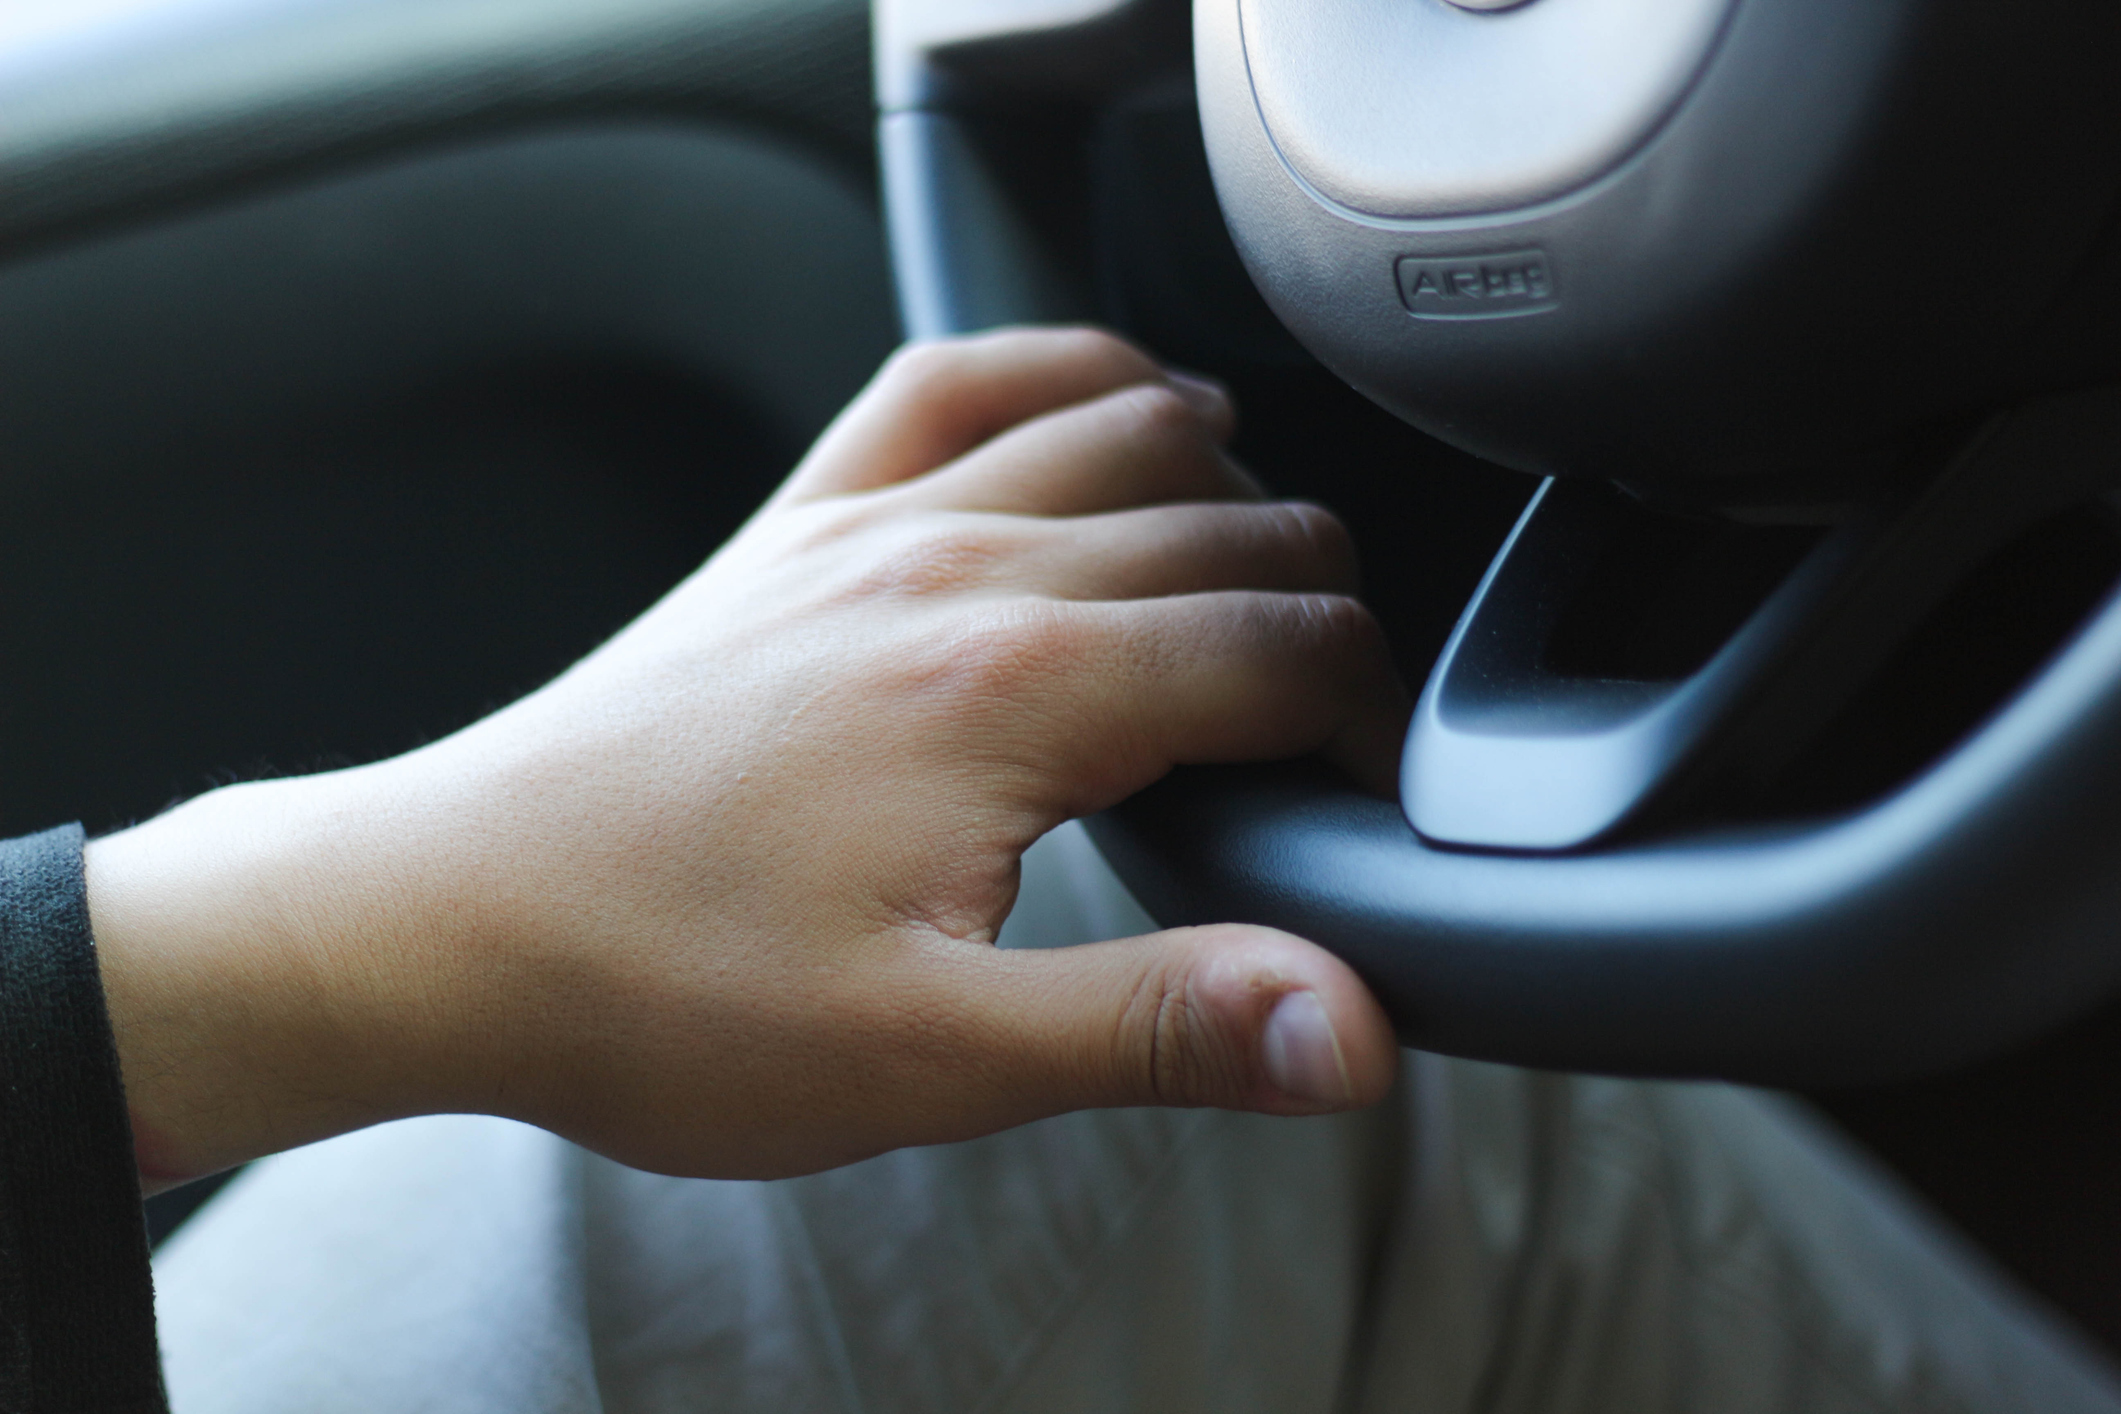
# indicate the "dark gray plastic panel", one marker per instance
pixel 712 252
pixel 965 257
pixel 1509 752
pixel 108 120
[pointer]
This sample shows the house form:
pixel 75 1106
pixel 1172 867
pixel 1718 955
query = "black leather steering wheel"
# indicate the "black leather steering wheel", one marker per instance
pixel 1595 883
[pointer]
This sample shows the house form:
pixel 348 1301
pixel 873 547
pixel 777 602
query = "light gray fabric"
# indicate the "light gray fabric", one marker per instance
pixel 1489 1241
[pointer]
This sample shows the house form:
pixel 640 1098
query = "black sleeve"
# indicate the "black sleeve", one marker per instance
pixel 77 1315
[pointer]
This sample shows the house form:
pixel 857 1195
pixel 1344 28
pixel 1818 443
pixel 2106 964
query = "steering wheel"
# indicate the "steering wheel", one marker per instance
pixel 1808 313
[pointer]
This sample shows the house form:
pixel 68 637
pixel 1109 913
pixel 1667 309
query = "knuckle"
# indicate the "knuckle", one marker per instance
pixel 939 375
pixel 1152 413
pixel 1174 1041
pixel 1341 623
pixel 1005 653
pixel 1044 636
pixel 1322 534
pixel 927 370
pixel 934 555
pixel 1317 526
pixel 816 531
pixel 1088 344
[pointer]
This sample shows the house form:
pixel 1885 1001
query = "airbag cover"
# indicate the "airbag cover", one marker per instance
pixel 1413 108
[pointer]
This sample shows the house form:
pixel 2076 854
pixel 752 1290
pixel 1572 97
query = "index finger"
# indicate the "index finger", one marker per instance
pixel 933 402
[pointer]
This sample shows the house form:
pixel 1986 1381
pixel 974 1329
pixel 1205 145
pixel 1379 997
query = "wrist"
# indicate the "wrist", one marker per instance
pixel 255 962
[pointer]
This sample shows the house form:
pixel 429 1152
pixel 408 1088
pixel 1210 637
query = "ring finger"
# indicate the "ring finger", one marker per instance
pixel 1154 551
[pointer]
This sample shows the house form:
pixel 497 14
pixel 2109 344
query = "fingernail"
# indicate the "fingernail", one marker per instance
pixel 1302 1054
pixel 1204 395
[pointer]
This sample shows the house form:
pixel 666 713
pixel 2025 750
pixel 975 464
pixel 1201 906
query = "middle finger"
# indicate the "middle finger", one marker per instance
pixel 1140 446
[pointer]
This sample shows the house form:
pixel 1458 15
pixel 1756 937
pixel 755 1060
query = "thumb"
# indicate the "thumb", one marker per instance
pixel 1230 1016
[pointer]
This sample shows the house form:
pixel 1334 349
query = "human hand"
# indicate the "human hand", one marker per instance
pixel 720 900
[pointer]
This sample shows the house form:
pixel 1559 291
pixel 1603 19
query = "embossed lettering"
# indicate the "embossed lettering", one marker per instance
pixel 1477 286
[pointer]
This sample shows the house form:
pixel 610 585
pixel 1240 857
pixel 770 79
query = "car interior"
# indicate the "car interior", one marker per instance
pixel 363 363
